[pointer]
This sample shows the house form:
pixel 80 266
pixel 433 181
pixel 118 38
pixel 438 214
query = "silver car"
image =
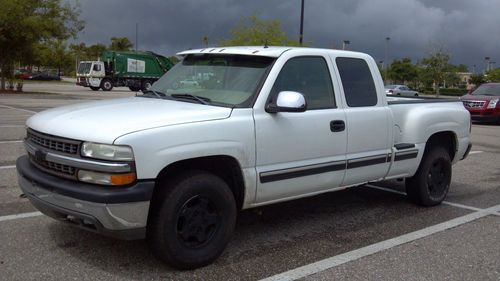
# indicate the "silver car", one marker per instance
pixel 400 90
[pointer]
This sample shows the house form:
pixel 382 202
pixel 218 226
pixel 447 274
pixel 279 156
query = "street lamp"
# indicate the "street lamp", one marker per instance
pixel 386 56
pixel 345 43
pixel 487 59
pixel 301 36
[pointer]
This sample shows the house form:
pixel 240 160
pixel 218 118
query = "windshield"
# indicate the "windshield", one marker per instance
pixel 84 67
pixel 390 86
pixel 215 79
pixel 487 90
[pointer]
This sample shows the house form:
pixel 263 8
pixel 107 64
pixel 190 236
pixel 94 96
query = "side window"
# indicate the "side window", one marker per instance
pixel 308 76
pixel 357 80
pixel 97 67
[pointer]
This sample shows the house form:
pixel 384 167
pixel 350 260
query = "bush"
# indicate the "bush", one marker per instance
pixel 452 92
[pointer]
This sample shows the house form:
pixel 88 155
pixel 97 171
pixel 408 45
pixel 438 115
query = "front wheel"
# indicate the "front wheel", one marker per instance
pixel 431 183
pixel 106 85
pixel 193 221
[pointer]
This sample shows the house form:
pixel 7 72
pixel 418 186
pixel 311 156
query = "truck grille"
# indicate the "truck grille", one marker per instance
pixel 54 168
pixel 474 103
pixel 53 143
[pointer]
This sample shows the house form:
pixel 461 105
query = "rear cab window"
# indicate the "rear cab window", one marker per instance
pixel 357 81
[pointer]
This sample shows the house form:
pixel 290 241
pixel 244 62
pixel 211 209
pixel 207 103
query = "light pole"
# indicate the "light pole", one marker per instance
pixel 386 56
pixel 345 43
pixel 136 36
pixel 487 59
pixel 301 35
pixel 474 69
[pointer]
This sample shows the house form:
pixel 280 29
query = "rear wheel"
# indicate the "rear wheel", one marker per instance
pixel 193 221
pixel 94 88
pixel 431 183
pixel 106 85
pixel 146 84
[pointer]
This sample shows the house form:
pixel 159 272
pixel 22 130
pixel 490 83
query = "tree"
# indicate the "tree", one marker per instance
pixel 436 66
pixel 402 71
pixel 477 79
pixel 493 75
pixel 25 23
pixel 120 44
pixel 253 32
pixel 95 51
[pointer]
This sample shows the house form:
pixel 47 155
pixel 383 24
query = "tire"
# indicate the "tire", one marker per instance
pixel 134 89
pixel 431 183
pixel 94 88
pixel 106 85
pixel 146 84
pixel 191 224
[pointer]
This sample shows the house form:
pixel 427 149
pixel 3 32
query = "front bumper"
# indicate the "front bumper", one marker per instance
pixel 117 212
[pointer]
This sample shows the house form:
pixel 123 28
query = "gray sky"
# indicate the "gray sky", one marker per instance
pixel 468 29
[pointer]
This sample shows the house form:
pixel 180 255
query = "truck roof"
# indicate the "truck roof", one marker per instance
pixel 271 51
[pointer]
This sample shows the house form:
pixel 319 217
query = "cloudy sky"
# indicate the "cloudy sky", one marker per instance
pixel 468 29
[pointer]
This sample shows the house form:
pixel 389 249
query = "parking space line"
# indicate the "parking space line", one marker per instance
pixel 11 141
pixel 475 152
pixel 7 167
pixel 20 216
pixel 337 260
pixel 11 107
pixel 12 126
pixel 444 202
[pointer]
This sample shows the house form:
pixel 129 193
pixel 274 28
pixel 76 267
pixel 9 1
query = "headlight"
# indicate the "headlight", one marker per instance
pixel 106 179
pixel 493 103
pixel 107 152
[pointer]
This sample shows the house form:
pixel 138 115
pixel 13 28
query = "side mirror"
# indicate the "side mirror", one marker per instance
pixel 288 101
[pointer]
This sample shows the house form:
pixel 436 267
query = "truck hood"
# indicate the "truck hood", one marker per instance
pixel 104 121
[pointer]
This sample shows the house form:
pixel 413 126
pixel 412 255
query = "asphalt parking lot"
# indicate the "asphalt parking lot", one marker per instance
pixel 365 233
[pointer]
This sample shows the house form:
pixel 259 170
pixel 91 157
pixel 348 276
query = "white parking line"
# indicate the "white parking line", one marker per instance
pixel 20 216
pixel 475 152
pixel 7 167
pixel 334 261
pixel 12 126
pixel 11 141
pixel 444 202
pixel 11 107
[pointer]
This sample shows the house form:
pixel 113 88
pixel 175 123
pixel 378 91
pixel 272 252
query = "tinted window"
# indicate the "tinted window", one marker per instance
pixel 357 81
pixel 308 76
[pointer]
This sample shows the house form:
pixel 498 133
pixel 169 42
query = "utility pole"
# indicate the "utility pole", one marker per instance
pixel 301 36
pixel 386 64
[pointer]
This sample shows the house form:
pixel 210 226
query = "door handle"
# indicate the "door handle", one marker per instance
pixel 337 125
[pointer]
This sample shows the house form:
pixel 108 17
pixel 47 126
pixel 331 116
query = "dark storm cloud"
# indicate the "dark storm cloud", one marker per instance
pixel 469 30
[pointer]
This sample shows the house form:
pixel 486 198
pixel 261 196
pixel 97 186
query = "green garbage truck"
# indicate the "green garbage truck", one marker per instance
pixel 136 70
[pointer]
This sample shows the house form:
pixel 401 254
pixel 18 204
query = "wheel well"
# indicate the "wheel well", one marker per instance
pixel 447 139
pixel 225 167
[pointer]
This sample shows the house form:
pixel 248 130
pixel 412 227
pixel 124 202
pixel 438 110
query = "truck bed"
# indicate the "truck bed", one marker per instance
pixel 410 100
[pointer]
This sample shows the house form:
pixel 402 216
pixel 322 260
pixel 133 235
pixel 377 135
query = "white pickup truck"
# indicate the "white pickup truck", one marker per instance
pixel 261 125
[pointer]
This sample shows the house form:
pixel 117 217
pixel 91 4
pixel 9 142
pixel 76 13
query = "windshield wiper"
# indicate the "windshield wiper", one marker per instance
pixel 159 95
pixel 201 100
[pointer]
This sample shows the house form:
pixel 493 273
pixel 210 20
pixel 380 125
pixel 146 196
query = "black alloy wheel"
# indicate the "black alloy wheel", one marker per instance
pixel 197 222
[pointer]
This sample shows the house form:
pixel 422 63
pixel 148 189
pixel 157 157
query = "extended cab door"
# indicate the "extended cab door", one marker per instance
pixel 369 120
pixel 300 153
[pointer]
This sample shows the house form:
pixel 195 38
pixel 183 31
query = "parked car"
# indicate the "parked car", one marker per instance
pixel 400 90
pixel 483 103
pixel 22 74
pixel 175 164
pixel 45 76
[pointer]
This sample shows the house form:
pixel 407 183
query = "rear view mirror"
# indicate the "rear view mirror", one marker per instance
pixel 288 101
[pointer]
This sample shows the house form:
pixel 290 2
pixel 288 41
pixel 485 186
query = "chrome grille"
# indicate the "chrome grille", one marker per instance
pixel 53 168
pixel 53 143
pixel 474 103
